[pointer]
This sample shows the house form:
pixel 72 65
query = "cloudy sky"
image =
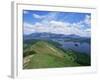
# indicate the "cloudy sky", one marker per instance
pixel 57 22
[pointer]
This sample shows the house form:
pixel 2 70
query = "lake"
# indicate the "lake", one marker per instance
pixel 77 46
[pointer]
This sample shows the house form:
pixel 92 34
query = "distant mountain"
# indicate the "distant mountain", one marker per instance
pixel 74 36
pixel 49 36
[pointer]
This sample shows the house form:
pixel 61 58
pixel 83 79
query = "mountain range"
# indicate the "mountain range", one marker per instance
pixel 45 35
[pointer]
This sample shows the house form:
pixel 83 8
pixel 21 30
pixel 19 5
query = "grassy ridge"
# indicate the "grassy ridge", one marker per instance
pixel 46 54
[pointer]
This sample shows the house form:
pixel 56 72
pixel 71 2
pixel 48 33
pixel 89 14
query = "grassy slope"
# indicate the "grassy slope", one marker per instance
pixel 46 56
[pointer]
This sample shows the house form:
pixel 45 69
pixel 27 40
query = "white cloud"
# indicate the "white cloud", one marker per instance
pixel 26 12
pixel 88 30
pixel 57 27
pixel 38 16
pixel 87 20
pixel 28 28
pixel 47 17
pixel 50 24
pixel 28 25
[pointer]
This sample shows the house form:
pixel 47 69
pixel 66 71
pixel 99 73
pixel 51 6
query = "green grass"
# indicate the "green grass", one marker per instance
pixel 48 61
pixel 46 55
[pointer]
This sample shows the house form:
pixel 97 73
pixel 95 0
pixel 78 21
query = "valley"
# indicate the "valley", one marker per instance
pixel 49 54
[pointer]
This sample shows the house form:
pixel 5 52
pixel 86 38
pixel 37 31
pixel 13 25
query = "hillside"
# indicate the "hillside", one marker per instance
pixel 43 54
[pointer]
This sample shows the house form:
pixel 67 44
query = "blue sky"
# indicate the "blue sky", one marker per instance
pixel 57 22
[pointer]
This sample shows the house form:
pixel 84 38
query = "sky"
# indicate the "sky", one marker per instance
pixel 57 22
